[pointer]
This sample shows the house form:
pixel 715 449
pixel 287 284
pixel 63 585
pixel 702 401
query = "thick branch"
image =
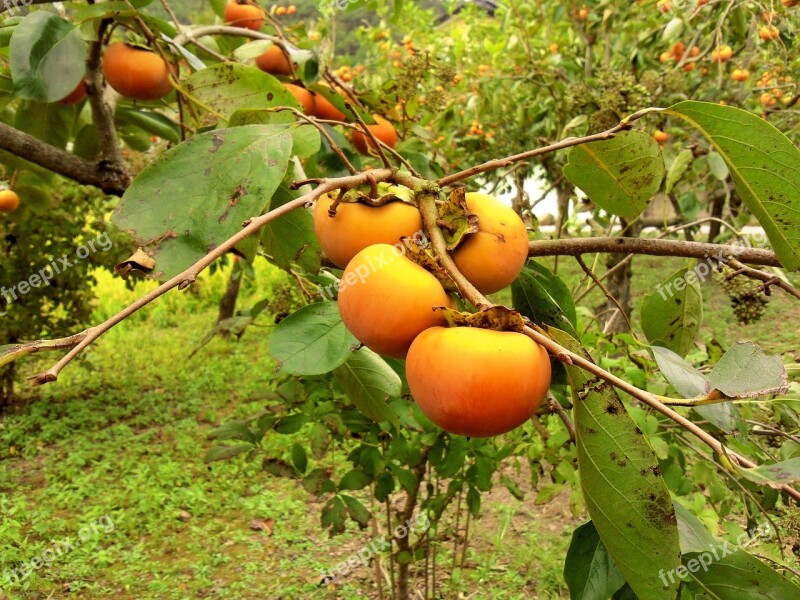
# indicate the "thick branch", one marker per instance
pixel 679 248
pixel 60 161
pixel 102 113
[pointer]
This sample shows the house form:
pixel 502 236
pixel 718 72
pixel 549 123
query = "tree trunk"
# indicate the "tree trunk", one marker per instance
pixel 227 306
pixel 619 286
pixel 7 386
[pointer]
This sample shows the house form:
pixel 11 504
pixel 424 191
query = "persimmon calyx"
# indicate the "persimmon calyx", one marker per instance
pixel 496 318
pixel 455 220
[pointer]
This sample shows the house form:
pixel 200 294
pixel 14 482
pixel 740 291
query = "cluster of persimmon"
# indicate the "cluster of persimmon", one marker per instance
pixel 779 84
pixel 677 53
pixel 276 62
pixel 470 381
pixel 9 200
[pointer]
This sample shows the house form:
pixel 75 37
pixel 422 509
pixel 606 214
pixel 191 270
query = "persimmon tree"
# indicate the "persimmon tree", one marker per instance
pixel 640 441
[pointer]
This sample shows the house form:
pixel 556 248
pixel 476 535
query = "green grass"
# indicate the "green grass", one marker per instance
pixel 123 433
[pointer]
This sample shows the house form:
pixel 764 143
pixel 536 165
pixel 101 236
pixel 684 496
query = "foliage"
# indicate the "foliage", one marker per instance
pixel 231 177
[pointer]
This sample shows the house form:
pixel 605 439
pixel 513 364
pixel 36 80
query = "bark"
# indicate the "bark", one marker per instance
pixel 227 306
pixel 619 285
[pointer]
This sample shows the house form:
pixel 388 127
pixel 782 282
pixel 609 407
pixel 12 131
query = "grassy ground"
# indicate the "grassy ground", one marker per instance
pixel 120 439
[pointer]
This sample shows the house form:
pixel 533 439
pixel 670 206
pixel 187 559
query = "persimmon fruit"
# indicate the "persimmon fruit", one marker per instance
pixel 357 226
pixel 136 73
pixel 274 61
pixel 383 131
pixel 660 136
pixel 327 110
pixel 477 382
pixel 245 14
pixel 303 96
pixel 493 257
pixel 386 300
pixel 9 201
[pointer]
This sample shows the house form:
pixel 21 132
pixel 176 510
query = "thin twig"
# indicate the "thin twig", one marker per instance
pixel 609 296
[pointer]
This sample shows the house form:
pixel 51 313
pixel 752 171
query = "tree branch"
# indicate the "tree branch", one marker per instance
pixel 500 163
pixel 678 248
pixel 60 161
pixel 84 339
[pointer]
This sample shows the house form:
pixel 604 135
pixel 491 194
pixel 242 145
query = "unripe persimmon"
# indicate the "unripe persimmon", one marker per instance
pixel 477 382
pixel 9 201
pixel 383 130
pixel 274 62
pixel 303 96
pixel 356 226
pixel 76 95
pixel 493 257
pixel 386 300
pixel 244 13
pixel 136 73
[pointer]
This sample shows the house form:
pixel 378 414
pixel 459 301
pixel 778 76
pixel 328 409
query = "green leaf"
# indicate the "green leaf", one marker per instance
pixel 229 87
pixel 149 121
pixel 225 452
pixel 542 297
pixel 47 57
pixel 787 471
pixel 717 166
pixel 334 514
pixel 299 458
pixel 290 239
pixel 357 511
pixel 307 140
pixel 312 340
pixel 722 571
pixel 197 194
pixel 745 371
pixel 678 168
pixel 764 165
pixel 355 479
pixel 626 496
pixel 369 382
pixel 671 314
pixel 49 122
pixel 290 424
pixel 589 571
pixel 690 383
pixel 620 175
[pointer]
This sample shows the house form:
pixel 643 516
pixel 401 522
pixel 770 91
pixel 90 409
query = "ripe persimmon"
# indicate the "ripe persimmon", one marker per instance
pixel 477 382
pixel 660 136
pixel 356 226
pixel 136 73
pixel 9 201
pixel 244 13
pixel 493 257
pixel 386 300
pixel 383 130
pixel 274 62
pixel 303 96
pixel 326 109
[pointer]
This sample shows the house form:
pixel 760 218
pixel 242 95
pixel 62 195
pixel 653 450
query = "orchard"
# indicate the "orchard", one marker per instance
pixel 400 300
